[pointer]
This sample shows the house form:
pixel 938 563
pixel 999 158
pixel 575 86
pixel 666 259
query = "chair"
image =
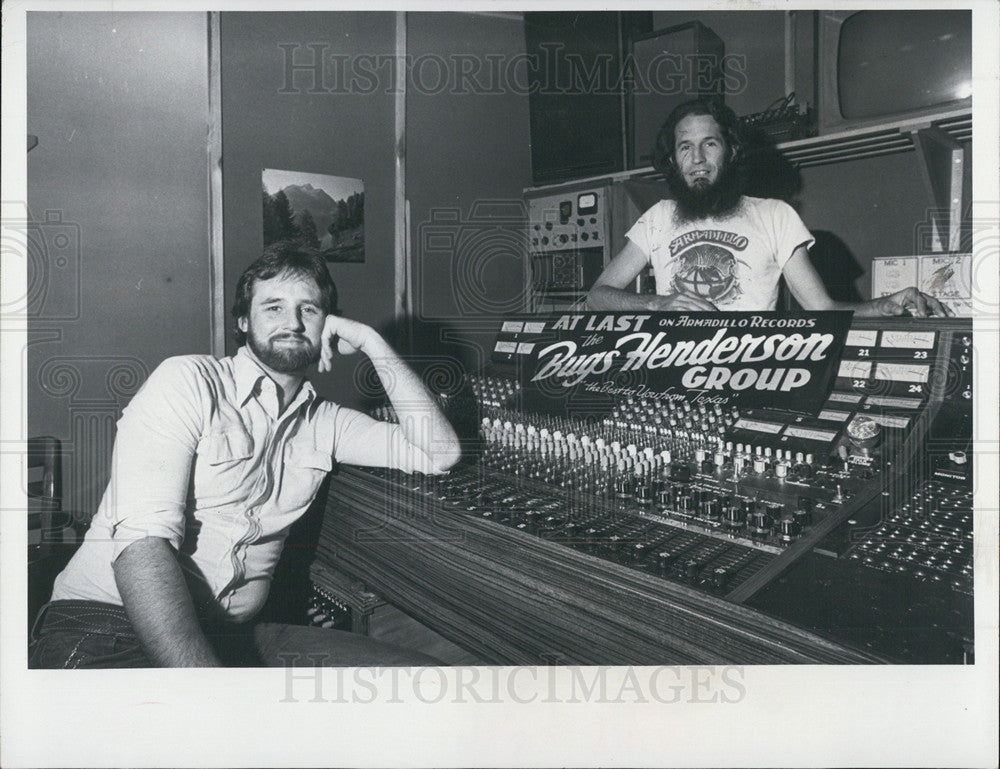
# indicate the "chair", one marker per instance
pixel 51 537
pixel 44 494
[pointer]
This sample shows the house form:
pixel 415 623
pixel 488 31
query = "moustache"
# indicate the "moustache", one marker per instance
pixel 291 337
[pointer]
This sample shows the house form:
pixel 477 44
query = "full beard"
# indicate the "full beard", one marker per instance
pixel 284 358
pixel 719 198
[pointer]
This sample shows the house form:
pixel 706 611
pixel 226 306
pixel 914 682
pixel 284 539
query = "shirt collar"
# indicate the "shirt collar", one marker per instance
pixel 248 375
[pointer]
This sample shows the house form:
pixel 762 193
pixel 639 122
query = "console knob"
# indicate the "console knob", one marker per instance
pixel 863 432
pixel 790 529
pixel 665 559
pixel 735 516
pixel 760 523
pixel 623 487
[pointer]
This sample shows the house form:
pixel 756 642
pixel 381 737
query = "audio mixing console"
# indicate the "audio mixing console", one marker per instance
pixel 692 498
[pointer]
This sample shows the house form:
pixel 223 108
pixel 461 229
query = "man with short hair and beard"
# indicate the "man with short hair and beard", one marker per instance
pixel 213 462
pixel 713 248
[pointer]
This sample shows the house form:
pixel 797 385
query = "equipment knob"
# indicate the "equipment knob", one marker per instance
pixel 712 509
pixel 790 529
pixel 863 432
pixel 760 523
pixel 635 554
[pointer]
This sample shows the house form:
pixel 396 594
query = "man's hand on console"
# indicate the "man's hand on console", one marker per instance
pixel 682 302
pixel 910 299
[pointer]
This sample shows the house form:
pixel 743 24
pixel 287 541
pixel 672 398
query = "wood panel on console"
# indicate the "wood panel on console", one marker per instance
pixel 512 598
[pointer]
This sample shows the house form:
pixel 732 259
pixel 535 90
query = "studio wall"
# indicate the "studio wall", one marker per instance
pixel 293 99
pixel 468 161
pixel 116 221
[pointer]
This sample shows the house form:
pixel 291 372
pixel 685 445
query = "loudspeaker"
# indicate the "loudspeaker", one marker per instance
pixel 576 97
pixel 666 68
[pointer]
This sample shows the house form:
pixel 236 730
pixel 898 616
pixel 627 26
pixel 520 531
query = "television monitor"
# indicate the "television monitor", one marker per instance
pixel 886 66
pixel 668 67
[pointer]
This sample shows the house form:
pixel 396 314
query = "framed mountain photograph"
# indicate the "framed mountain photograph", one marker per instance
pixel 319 210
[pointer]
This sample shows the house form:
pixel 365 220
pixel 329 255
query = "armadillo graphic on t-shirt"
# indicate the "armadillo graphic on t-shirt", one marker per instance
pixel 734 262
pixel 706 264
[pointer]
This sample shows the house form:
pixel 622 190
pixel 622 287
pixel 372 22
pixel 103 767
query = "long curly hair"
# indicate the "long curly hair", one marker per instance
pixel 663 150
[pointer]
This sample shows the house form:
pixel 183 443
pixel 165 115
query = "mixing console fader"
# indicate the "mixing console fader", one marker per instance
pixel 651 541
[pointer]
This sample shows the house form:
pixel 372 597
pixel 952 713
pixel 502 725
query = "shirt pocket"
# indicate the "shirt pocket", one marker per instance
pixel 305 467
pixel 225 447
pixel 222 467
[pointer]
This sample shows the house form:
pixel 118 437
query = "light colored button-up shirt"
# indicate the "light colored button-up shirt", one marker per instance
pixel 204 459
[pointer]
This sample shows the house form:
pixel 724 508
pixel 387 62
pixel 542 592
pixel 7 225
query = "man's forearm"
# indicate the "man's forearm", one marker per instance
pixel 159 605
pixel 608 298
pixel 615 299
pixel 860 309
pixel 418 415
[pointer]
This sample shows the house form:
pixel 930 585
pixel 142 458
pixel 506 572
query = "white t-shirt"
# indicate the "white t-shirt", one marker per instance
pixel 733 261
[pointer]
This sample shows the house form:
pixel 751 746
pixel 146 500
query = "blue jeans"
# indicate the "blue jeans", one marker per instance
pixel 90 634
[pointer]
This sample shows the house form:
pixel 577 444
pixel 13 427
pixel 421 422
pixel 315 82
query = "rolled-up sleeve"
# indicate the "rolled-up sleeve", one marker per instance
pixel 361 440
pixel 638 233
pixel 790 232
pixel 153 458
